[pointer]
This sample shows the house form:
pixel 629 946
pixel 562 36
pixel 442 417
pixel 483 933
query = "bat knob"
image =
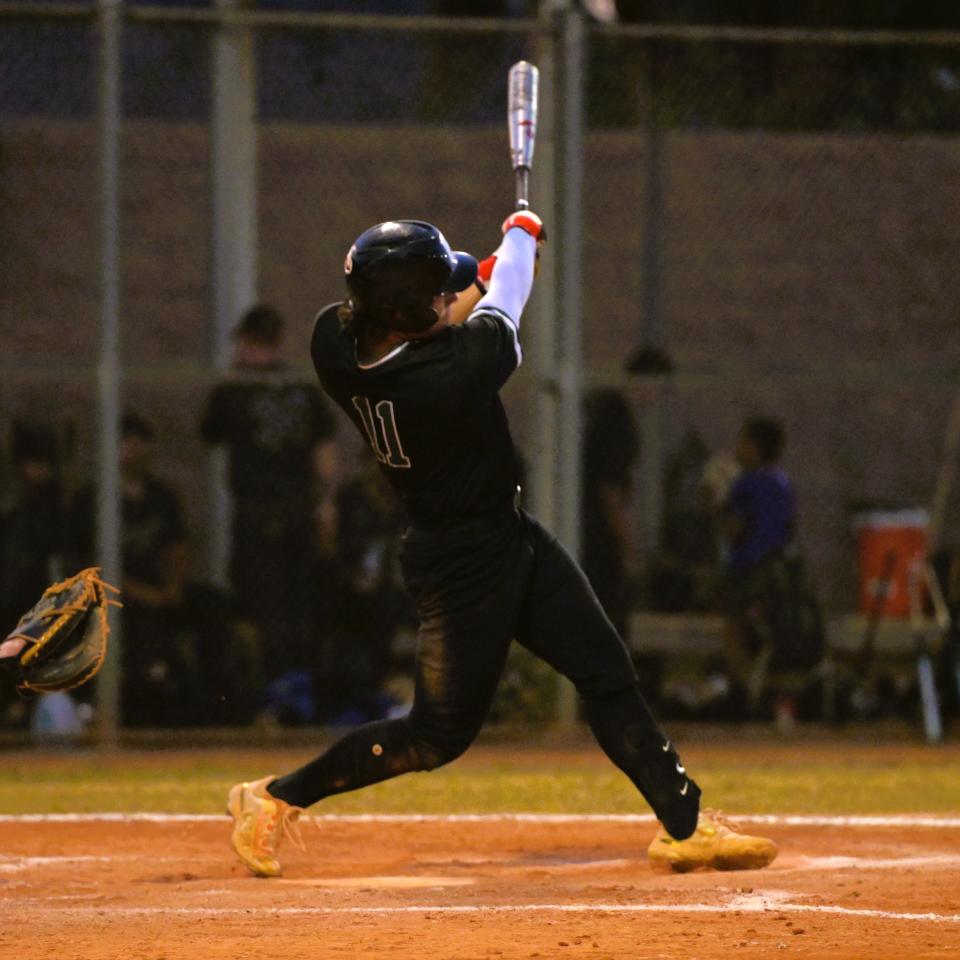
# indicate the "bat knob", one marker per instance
pixel 523 205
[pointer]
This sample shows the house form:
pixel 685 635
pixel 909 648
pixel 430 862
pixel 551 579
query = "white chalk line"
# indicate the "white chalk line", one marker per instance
pixel 742 905
pixel 788 820
pixel 873 863
pixel 11 863
pixel 769 901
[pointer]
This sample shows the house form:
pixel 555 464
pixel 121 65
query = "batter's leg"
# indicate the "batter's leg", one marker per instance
pixel 563 623
pixel 462 643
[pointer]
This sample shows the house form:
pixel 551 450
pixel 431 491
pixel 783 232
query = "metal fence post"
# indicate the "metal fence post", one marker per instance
pixel 109 516
pixel 653 334
pixel 570 316
pixel 568 303
pixel 234 240
pixel 542 449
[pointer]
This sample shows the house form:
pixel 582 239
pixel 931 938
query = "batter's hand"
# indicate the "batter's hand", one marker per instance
pixel 529 221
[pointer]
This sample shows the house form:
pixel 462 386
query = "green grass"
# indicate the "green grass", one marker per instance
pixel 747 778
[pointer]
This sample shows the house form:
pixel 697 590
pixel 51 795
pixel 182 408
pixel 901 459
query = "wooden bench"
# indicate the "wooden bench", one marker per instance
pixel 700 636
pixel 687 642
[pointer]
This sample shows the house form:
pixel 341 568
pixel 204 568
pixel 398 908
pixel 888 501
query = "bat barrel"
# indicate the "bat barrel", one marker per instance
pixel 522 85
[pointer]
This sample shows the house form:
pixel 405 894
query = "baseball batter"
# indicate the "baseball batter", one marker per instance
pixel 416 357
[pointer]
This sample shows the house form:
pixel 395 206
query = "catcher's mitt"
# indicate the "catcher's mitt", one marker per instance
pixel 61 641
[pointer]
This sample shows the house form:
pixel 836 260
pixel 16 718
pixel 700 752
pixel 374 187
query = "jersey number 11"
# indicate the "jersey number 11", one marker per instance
pixel 380 425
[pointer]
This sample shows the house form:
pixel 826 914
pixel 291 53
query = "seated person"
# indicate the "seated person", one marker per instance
pixel 31 539
pixel 158 672
pixel 773 623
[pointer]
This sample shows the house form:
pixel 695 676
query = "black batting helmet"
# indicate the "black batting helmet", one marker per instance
pixel 395 269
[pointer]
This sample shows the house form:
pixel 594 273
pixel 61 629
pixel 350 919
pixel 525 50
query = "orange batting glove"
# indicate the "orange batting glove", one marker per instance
pixel 526 220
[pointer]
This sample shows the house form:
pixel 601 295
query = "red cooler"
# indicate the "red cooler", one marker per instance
pixel 890 542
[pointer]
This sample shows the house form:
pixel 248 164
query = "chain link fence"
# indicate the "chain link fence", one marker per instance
pixel 767 229
pixel 771 234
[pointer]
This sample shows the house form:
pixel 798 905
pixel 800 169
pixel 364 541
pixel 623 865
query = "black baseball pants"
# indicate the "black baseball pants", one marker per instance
pixel 478 586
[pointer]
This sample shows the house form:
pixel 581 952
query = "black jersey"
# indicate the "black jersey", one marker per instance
pixel 430 412
pixel 270 426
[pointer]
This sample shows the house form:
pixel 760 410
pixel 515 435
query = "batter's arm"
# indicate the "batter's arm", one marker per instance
pixel 505 278
pixel 466 301
pixel 512 278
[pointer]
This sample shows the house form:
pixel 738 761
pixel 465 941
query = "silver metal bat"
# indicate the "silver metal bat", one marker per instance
pixel 523 81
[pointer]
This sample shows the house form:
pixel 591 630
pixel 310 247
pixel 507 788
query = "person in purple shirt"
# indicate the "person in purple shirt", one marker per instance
pixel 773 625
pixel 760 511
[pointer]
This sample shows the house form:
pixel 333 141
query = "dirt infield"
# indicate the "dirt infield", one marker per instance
pixel 453 888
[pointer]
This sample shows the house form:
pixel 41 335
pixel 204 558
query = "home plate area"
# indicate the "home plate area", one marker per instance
pixel 440 887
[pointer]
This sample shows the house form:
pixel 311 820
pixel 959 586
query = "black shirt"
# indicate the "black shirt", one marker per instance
pixel 151 525
pixel 431 413
pixel 270 428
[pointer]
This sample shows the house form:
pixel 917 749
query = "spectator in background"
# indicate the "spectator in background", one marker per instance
pixel 31 522
pixel 760 510
pixel 154 533
pixel 773 624
pixel 31 536
pixel 279 437
pixel 683 571
pixel 158 665
pixel 611 447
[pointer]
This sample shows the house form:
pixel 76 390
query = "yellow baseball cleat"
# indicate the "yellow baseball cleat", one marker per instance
pixel 716 844
pixel 260 822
